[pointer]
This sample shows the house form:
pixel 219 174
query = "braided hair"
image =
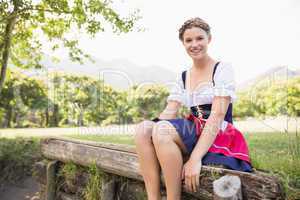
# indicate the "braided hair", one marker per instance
pixel 194 22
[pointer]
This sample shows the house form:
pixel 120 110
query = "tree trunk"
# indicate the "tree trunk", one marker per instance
pixel 17 119
pixel 47 117
pixel 80 117
pixel 42 119
pixel 6 45
pixel 55 116
pixel 8 117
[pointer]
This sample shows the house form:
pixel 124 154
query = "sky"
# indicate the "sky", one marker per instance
pixel 253 35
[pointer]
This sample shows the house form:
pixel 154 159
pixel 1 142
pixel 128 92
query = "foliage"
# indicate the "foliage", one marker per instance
pixel 27 25
pixel 82 100
pixel 70 100
pixel 147 101
pixel 69 171
pixel 21 98
pixel 17 157
pixel 93 188
pixel 279 98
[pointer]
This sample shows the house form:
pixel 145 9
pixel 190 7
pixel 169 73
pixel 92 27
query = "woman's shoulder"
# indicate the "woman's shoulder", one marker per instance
pixel 181 75
pixel 224 65
pixel 224 68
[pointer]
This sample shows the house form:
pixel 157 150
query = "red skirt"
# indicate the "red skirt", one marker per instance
pixel 229 142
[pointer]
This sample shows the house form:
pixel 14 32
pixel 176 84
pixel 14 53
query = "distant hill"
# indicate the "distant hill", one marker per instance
pixel 272 75
pixel 119 73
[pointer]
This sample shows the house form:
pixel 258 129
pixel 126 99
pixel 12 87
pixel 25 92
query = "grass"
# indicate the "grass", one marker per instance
pixel 114 138
pixel 279 154
pixel 93 189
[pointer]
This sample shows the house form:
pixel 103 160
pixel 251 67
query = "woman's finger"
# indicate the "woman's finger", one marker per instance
pixel 188 182
pixel 194 188
pixel 197 180
pixel 198 177
pixel 182 173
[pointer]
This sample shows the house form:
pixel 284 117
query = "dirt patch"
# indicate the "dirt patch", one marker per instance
pixel 27 189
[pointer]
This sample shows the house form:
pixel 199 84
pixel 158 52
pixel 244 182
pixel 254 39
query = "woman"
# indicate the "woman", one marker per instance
pixel 207 134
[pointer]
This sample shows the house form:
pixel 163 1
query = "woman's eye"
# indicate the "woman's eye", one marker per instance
pixel 200 38
pixel 188 40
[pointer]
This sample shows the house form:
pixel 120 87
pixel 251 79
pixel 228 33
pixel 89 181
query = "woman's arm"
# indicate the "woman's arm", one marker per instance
pixel 212 126
pixel 171 110
pixel 192 168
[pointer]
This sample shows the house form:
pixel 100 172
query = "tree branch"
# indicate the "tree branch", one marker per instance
pixel 15 14
pixel 6 45
pixel 1 46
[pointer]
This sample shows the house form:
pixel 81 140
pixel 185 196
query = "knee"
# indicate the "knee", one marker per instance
pixel 143 132
pixel 161 133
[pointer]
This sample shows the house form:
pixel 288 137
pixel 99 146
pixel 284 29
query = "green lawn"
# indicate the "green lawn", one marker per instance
pixel 278 153
pixel 118 139
pixel 275 153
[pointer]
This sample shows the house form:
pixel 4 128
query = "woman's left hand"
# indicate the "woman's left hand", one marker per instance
pixel 191 174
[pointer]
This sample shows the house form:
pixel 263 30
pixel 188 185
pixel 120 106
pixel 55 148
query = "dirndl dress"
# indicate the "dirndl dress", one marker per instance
pixel 229 148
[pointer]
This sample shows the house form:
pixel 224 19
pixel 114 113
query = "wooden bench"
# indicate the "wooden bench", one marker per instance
pixel 122 160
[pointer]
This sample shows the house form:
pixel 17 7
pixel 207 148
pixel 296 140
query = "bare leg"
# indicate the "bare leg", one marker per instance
pixel 149 165
pixel 169 148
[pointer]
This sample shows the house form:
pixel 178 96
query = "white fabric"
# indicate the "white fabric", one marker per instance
pixel 203 94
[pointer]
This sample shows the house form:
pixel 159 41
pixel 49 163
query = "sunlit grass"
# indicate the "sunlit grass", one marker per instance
pixel 112 138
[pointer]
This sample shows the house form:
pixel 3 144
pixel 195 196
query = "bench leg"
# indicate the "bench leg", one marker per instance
pixel 108 187
pixel 51 180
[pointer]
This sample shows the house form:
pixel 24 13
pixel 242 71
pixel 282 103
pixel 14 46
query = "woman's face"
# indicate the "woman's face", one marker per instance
pixel 195 41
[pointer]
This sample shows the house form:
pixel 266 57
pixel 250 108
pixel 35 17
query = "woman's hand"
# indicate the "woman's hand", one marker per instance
pixel 191 174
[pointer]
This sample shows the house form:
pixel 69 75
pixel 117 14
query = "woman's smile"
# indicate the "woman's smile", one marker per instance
pixel 195 51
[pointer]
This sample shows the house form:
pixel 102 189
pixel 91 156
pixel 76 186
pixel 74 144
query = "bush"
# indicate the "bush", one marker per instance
pixel 17 157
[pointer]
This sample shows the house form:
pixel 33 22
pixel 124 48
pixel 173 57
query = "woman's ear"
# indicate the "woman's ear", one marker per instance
pixel 209 38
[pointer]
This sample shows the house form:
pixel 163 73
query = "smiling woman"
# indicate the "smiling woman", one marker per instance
pixel 207 135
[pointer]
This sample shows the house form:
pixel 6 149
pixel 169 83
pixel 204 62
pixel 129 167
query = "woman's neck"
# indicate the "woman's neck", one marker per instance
pixel 203 63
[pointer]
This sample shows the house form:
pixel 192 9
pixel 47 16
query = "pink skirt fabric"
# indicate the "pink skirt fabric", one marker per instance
pixel 229 142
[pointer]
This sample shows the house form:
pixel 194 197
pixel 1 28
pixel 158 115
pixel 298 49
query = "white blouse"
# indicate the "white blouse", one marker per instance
pixel 204 93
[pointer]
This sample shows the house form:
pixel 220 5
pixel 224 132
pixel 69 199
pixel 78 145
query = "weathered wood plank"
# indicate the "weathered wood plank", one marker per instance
pixel 114 160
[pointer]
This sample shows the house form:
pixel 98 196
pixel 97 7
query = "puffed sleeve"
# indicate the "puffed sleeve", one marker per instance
pixel 177 90
pixel 225 82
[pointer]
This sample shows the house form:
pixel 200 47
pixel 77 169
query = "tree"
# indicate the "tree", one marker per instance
pixel 20 98
pixel 147 102
pixel 25 23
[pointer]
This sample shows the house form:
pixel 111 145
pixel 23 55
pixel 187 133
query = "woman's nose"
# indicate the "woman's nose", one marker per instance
pixel 194 43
